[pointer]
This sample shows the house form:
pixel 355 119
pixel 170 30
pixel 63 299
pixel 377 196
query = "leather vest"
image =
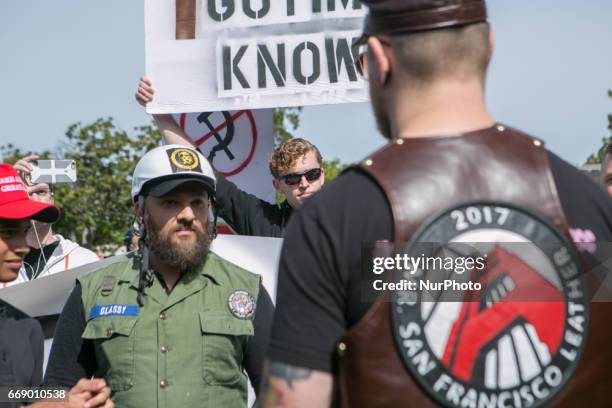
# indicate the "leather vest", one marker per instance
pixel 421 177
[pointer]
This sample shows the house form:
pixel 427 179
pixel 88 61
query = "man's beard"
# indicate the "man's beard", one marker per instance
pixel 187 258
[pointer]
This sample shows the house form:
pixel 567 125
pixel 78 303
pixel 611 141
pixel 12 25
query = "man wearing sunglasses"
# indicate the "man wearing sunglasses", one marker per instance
pixel 296 168
pixel 334 343
pixel 296 165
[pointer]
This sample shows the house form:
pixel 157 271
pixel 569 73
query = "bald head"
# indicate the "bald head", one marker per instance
pixel 457 53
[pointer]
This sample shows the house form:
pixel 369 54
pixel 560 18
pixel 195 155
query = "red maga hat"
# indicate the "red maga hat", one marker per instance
pixel 15 203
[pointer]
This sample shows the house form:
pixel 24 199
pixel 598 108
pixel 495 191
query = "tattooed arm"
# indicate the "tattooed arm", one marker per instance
pixel 286 386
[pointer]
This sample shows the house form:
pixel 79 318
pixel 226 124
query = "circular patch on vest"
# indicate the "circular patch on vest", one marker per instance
pixel 242 304
pixel 514 339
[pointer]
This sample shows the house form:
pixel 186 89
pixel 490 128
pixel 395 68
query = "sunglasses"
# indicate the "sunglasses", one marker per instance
pixel 292 179
pixel 361 62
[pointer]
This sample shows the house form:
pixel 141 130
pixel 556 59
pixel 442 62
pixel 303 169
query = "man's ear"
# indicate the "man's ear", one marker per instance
pixel 380 59
pixel 276 185
pixel 491 43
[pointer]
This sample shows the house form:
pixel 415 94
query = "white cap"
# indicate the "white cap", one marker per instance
pixel 166 167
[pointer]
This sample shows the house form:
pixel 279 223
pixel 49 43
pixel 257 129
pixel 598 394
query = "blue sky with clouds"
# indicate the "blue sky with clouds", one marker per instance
pixel 64 61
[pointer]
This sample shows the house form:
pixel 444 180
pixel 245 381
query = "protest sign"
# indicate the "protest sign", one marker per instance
pixel 211 55
pixel 237 143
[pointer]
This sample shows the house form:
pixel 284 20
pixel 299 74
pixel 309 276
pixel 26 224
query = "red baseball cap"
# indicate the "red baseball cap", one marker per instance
pixel 15 203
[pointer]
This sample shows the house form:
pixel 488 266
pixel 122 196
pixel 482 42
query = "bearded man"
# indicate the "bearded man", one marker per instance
pixel 171 324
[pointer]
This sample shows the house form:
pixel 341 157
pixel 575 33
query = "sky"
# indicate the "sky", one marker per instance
pixel 66 61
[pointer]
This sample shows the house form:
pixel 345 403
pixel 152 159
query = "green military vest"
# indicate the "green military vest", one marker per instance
pixel 180 350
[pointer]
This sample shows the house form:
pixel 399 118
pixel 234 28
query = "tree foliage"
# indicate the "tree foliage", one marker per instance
pixel 97 210
pixel 597 157
pixel 333 168
pixel 285 121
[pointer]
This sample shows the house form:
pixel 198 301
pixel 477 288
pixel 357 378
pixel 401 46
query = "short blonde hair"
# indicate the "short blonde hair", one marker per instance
pixel 287 154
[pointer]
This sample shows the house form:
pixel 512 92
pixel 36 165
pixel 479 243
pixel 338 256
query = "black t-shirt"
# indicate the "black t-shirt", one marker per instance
pixel 36 260
pixel 73 358
pixel 318 295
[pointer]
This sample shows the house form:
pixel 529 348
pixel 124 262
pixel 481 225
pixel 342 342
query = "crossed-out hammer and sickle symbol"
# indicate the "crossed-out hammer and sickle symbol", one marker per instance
pixel 222 143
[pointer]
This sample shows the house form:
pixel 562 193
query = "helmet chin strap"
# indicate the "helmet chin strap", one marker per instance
pixel 145 275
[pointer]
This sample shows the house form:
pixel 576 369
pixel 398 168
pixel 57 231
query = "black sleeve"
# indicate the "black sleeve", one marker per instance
pixel 21 349
pixel 258 344
pixel 318 295
pixel 71 358
pixel 37 340
pixel 244 212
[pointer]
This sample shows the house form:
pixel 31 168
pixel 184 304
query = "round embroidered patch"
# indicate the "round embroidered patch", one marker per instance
pixel 185 159
pixel 515 343
pixel 242 304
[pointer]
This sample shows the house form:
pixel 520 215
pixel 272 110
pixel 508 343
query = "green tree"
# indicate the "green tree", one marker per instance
pixel 333 168
pixel 284 122
pixel 597 157
pixel 9 153
pixel 97 210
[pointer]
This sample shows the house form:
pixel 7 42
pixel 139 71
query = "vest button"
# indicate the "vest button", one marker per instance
pixel 341 349
pixel 163 349
pixel 162 316
pixel 163 384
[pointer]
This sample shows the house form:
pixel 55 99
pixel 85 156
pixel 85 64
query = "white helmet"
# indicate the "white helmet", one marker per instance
pixel 164 168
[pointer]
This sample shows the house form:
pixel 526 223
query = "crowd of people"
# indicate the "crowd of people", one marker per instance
pixel 172 324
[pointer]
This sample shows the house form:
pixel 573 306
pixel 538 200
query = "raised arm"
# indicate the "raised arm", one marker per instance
pixel 171 132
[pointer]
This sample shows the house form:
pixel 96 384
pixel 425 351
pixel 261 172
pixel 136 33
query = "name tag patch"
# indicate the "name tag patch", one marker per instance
pixel 113 310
